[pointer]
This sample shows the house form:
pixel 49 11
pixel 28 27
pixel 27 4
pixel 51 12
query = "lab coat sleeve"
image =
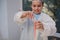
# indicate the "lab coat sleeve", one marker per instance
pixel 19 20
pixel 49 26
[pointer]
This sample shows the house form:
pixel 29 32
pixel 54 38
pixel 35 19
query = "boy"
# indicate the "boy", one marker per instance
pixel 36 24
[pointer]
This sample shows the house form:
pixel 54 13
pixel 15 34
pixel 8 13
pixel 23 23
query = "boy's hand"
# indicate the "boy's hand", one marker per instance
pixel 39 25
pixel 26 14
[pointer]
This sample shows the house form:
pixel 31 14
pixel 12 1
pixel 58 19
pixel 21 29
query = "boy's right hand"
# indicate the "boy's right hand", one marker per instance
pixel 24 14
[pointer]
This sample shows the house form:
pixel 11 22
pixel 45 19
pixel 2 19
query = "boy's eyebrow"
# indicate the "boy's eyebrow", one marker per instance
pixel 41 1
pixel 38 0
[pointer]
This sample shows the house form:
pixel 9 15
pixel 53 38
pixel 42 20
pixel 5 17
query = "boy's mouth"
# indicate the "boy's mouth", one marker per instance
pixel 37 11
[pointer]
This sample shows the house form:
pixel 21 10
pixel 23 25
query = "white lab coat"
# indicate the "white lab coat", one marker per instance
pixel 26 27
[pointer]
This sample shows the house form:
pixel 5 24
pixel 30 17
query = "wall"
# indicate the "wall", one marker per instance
pixel 8 29
pixel 12 8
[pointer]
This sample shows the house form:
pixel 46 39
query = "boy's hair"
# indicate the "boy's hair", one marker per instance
pixel 40 1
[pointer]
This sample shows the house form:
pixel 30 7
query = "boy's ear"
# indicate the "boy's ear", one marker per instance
pixel 31 6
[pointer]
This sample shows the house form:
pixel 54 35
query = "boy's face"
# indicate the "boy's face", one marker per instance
pixel 36 6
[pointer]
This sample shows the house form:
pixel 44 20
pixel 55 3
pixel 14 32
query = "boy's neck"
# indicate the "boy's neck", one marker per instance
pixel 37 13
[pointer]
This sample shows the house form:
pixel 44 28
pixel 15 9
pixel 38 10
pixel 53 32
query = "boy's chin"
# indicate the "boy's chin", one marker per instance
pixel 37 12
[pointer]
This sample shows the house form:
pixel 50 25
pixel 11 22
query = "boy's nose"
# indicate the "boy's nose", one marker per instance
pixel 36 8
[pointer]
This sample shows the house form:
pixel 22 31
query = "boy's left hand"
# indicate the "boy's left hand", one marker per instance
pixel 39 25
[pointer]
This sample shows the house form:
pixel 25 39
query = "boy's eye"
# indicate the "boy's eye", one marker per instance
pixel 39 5
pixel 34 5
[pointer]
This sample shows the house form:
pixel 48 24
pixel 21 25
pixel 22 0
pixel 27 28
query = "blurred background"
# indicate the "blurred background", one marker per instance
pixel 8 8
